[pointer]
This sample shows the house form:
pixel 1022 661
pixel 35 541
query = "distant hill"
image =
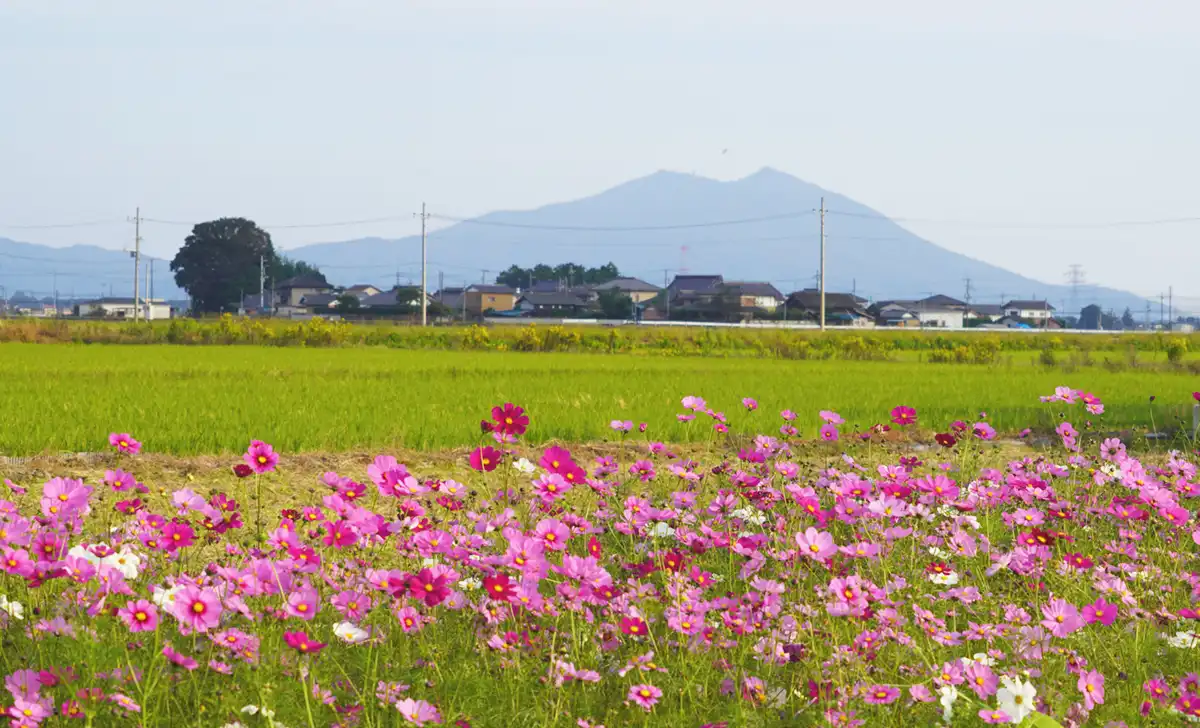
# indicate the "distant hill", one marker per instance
pixel 865 251
pixel 80 272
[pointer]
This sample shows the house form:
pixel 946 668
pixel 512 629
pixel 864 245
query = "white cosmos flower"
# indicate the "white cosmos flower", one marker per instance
pixel 14 609
pixel 470 583
pixel 662 530
pixel 949 694
pixel 80 552
pixel 939 553
pixel 1016 698
pixel 947 579
pixel 523 465
pixel 124 561
pixel 350 633
pixel 1184 640
pixel 165 598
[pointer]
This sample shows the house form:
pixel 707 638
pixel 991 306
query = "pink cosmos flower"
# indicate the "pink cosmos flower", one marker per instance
pixel 881 695
pixel 644 696
pixel 139 616
pixel 749 403
pixel 904 415
pixel 983 431
pixel 981 679
pixel 418 712
pixel 832 418
pixel 1091 684
pixel 303 603
pixel 621 425
pixel 29 711
pixel 829 433
pixel 1061 617
pixel 552 533
pixel 485 459
pixel 1100 611
pixel 427 587
pixel 695 404
pixel 199 609
pixel 261 457
pixel 994 716
pixel 179 658
pixel 124 443
pixel 816 544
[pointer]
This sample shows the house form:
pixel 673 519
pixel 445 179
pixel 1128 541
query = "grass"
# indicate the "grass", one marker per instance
pixel 202 399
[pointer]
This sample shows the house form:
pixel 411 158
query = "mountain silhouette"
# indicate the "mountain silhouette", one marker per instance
pixel 760 227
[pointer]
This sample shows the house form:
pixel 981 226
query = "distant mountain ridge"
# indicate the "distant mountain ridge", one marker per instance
pixel 761 227
pixel 777 241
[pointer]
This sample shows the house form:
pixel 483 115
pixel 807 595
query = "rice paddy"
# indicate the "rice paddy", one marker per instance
pixel 188 400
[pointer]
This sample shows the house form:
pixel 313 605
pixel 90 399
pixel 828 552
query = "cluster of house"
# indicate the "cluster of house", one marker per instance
pixel 698 297
pixel 26 304
pixel 688 297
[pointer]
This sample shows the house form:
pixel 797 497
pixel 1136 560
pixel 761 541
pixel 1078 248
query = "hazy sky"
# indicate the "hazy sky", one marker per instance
pixel 1040 113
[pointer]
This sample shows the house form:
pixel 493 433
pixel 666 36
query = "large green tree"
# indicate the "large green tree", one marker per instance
pixel 219 262
pixel 569 273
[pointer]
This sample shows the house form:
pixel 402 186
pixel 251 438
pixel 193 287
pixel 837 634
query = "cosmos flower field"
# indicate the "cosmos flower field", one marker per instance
pixel 804 575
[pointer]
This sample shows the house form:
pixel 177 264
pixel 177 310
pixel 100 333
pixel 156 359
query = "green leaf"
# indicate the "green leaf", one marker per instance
pixel 1039 720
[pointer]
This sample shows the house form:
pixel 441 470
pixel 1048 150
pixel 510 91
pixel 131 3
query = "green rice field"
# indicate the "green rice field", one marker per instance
pixel 210 399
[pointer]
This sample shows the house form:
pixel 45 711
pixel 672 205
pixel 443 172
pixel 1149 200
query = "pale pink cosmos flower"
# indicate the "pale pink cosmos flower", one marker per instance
pixel 1061 617
pixel 197 608
pixel 831 417
pixel 816 544
pixel 1091 684
pixel 418 712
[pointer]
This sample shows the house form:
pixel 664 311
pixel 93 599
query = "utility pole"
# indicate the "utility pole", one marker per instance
pixel 822 263
pixel 137 259
pixel 149 290
pixel 424 262
pixel 1170 308
pixel 1147 315
pixel 1162 310
pixel 262 283
pixel 967 293
pixel 56 294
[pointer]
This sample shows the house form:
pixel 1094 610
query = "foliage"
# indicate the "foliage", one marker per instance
pixel 348 302
pixel 220 260
pixel 570 274
pixel 284 268
pixel 615 304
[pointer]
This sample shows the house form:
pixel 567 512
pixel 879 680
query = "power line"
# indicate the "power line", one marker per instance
pixel 1027 226
pixel 49 226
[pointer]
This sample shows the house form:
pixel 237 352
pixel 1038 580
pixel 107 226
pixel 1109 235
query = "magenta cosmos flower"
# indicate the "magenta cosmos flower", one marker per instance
pixel 983 431
pixel 139 616
pixel 261 457
pixel 644 696
pixel 904 415
pixel 198 608
pixel 125 443
pixel 485 459
pixel 881 695
pixel 509 419
pixel 301 642
pixel 829 433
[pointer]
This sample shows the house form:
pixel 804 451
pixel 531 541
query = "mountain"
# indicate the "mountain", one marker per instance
pixel 761 227
pixel 776 238
pixel 76 272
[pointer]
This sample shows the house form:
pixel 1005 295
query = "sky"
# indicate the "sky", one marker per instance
pixel 1013 132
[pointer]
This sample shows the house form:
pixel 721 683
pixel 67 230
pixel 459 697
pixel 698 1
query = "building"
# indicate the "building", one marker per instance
pixel 941 312
pixel 395 298
pixel 756 295
pixel 841 309
pixel 1029 310
pixel 986 311
pixel 638 290
pixel 152 309
pixel 550 304
pixel 895 314
pixel 291 292
pixel 480 298
pixel 363 290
